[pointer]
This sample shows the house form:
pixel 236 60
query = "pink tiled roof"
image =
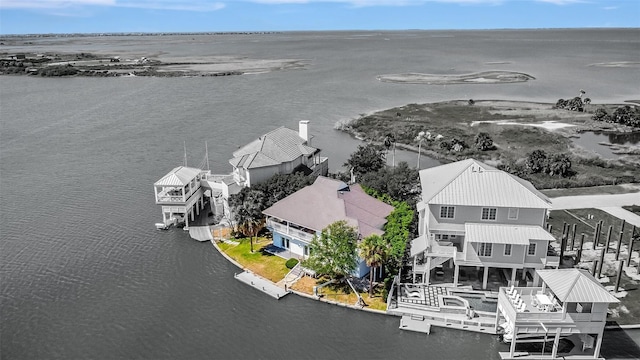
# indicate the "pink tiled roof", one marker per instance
pixel 327 201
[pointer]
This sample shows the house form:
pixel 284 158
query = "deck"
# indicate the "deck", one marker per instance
pixel 261 284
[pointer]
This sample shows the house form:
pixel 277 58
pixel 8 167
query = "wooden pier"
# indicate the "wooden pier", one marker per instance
pixel 261 284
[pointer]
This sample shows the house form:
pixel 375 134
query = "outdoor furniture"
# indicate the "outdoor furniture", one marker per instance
pixel 510 290
pixel 544 301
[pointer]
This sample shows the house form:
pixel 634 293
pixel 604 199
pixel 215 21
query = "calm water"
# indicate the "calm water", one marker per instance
pixel 86 275
pixel 595 141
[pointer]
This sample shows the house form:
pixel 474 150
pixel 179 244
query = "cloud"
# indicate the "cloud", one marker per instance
pixel 363 3
pixel 561 2
pixel 610 8
pixel 177 5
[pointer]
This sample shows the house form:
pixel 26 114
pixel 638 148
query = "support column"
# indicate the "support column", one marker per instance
pixel 427 272
pixel 456 274
pixel 191 214
pixel 512 350
pixel 197 205
pixel 485 277
pixel 536 278
pixel 556 340
pixel 596 351
pixel 513 276
pixel 524 273
pixel 415 261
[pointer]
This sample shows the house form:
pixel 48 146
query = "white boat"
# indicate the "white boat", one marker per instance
pixel 161 226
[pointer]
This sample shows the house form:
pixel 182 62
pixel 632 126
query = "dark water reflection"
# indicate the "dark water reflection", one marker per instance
pixel 594 141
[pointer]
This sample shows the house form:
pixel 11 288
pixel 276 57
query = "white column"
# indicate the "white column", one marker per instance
pixel 513 342
pixel 456 274
pixel 192 216
pixel 485 277
pixel 554 352
pixel 415 261
pixel 513 275
pixel 427 272
pixel 536 278
pixel 596 351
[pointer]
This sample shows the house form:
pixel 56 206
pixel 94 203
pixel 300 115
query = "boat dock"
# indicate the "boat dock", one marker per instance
pixel 415 323
pixel 261 284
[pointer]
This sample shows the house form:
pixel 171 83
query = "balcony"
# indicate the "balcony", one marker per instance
pixel 529 308
pixel 282 228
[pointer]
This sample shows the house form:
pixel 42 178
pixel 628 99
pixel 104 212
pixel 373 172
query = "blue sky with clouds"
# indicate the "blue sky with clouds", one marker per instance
pixel 95 16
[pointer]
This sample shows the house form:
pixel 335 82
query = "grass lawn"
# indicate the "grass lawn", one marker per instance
pixel 341 293
pixel 262 263
pixel 628 310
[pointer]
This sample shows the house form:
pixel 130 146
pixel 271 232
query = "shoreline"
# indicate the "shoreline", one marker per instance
pixel 59 64
pixel 296 292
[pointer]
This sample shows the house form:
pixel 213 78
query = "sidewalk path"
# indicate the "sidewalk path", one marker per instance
pixel 611 203
pixel 621 213
pixel 595 201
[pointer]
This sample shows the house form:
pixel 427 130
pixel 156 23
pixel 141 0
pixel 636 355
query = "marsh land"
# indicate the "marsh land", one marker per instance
pixel 517 128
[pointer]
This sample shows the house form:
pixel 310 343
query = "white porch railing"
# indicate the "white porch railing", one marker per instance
pixel 288 230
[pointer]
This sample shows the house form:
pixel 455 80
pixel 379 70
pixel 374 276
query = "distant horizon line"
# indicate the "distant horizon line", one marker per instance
pixel 251 32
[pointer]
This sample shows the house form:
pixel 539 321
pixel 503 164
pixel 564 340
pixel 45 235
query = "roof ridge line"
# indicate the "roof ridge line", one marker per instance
pixel 573 283
pixel 450 181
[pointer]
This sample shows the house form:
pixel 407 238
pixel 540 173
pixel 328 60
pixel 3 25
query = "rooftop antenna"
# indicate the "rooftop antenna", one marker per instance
pixel 185 153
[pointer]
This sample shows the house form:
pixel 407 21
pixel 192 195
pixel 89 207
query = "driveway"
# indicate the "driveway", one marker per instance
pixel 611 203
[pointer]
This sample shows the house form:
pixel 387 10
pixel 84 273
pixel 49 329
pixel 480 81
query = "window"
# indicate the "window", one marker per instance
pixel 513 213
pixel 532 249
pixel 442 237
pixel 507 249
pixel 485 249
pixel 489 213
pixel 306 250
pixel 286 243
pixel 447 212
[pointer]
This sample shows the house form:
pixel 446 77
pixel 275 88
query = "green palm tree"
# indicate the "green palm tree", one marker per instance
pixel 374 251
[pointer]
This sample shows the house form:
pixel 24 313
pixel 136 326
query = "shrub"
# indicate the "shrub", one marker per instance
pixel 291 263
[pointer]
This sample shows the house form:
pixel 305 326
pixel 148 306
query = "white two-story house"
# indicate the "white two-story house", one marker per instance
pixel 281 151
pixel 181 195
pixel 474 215
pixel 296 219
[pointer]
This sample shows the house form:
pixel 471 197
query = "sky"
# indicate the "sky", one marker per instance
pixel 108 16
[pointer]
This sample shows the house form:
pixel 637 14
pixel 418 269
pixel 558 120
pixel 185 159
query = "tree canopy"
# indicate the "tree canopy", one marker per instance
pixel 366 159
pixel 249 203
pixel 374 251
pixel 333 253
pixel 402 183
pixel 556 164
pixel 484 142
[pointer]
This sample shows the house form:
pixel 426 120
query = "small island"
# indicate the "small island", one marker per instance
pixel 110 65
pixel 530 140
pixel 484 77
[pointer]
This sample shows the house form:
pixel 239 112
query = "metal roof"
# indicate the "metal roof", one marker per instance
pixel 322 203
pixel 472 183
pixel 505 234
pixel 576 285
pixel 273 148
pixel 179 176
